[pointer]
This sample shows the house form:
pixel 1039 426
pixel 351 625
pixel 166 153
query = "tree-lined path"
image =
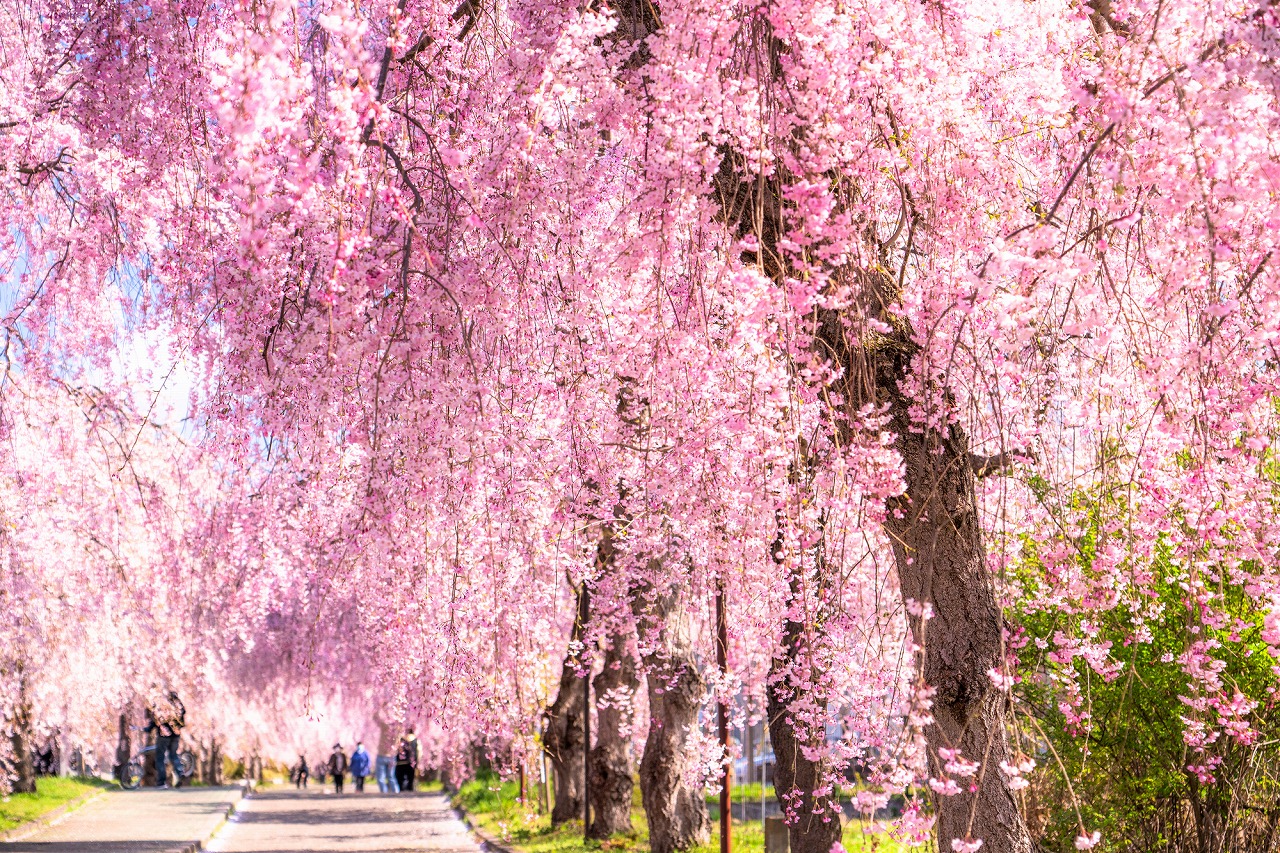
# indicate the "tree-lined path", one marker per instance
pixel 136 822
pixel 292 821
pixel 875 404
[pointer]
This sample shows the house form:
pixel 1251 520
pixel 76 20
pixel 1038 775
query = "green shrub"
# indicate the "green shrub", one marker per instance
pixel 1118 758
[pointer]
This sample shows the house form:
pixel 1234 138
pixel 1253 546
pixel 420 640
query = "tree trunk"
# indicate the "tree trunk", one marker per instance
pixel 614 692
pixel 124 750
pixel 813 823
pixel 934 529
pixel 563 738
pixel 941 560
pixel 937 538
pixel 215 764
pixel 210 762
pixel 149 770
pixel 676 812
pixel 22 742
pixel 611 763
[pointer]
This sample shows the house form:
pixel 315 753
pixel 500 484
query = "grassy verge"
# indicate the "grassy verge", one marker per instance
pixel 51 792
pixel 493 807
pixel 743 791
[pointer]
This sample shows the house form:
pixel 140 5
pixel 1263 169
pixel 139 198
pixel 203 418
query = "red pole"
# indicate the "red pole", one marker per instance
pixel 584 614
pixel 722 722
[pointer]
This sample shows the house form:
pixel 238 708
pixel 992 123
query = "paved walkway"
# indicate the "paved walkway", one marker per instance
pixel 283 820
pixel 146 821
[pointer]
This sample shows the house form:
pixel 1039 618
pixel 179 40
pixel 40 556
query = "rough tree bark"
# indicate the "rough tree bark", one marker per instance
pixel 814 821
pixel 820 826
pixel 124 750
pixel 938 546
pixel 210 762
pixel 149 769
pixel 611 762
pixel 22 742
pixel 934 527
pixel 940 558
pixel 562 739
pixel 676 812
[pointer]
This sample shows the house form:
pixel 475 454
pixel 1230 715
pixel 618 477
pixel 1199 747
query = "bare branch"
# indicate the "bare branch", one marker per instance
pixel 1000 463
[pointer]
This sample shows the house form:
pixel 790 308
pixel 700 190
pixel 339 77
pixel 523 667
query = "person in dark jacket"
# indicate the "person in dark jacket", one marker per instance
pixel 338 767
pixel 301 772
pixel 359 766
pixel 407 761
pixel 166 717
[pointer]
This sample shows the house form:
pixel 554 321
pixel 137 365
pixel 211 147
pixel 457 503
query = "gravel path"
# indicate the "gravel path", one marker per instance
pixel 146 821
pixel 280 820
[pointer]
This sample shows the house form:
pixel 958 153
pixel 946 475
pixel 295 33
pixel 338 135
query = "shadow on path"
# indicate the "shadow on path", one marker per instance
pixel 285 793
pixel 321 815
pixel 321 808
pixel 282 820
pixel 94 846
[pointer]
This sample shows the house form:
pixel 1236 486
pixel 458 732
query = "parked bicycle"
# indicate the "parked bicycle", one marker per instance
pixel 132 776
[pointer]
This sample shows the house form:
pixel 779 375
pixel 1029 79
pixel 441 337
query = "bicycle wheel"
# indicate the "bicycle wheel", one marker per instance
pixel 132 776
pixel 186 763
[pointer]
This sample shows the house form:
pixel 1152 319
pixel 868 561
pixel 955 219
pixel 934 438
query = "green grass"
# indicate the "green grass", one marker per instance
pixel 492 807
pixel 749 792
pixel 51 792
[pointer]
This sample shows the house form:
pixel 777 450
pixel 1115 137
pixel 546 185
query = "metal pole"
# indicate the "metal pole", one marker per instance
pixel 722 722
pixel 584 613
pixel 546 783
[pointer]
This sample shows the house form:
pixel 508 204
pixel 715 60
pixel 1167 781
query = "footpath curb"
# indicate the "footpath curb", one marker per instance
pixel 487 842
pixel 25 830
pixel 199 845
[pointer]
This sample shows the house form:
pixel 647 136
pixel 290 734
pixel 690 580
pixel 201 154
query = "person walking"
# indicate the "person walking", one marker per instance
pixel 359 766
pixel 301 772
pixel 338 767
pixel 167 716
pixel 407 761
pixel 384 765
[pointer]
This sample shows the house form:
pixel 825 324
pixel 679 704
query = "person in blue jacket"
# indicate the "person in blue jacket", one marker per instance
pixel 359 765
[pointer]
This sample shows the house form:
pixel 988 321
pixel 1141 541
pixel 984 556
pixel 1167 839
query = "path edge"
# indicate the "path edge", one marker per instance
pixel 198 845
pixel 488 843
pixel 31 827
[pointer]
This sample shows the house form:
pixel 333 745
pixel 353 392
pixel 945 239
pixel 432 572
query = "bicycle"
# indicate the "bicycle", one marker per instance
pixel 131 779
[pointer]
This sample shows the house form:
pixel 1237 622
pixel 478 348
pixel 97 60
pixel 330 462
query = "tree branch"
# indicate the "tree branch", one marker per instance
pixel 1000 463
